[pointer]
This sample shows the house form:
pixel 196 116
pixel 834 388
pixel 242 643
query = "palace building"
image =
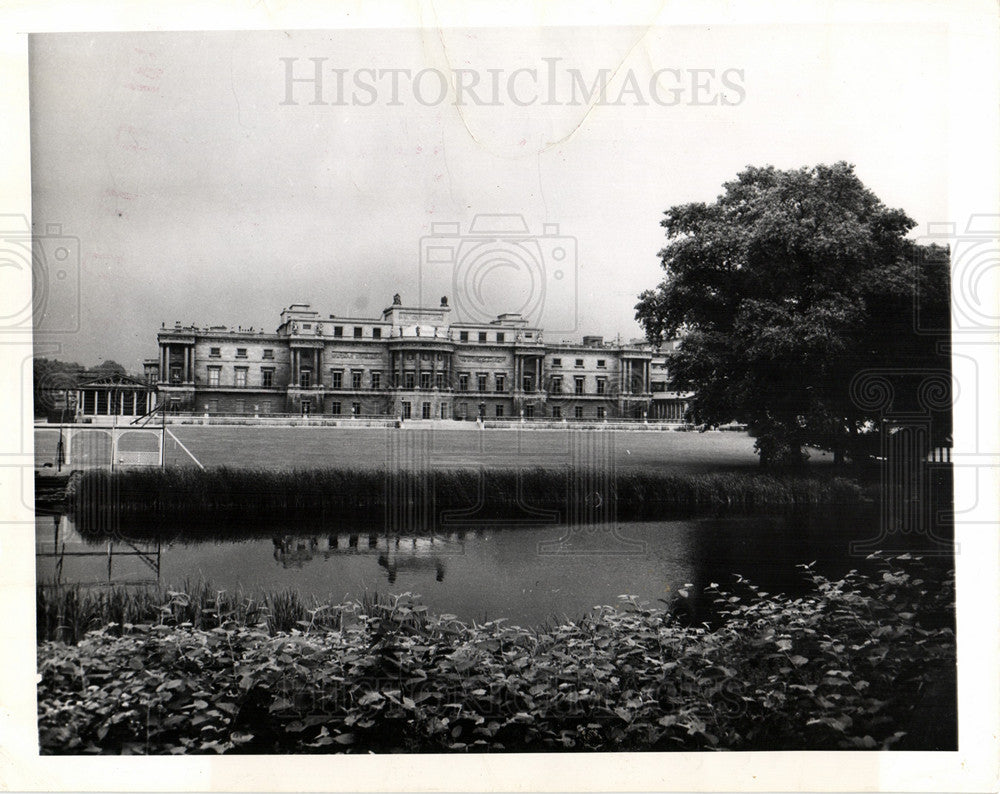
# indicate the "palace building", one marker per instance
pixel 412 362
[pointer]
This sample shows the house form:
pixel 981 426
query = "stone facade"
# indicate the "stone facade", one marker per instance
pixel 412 362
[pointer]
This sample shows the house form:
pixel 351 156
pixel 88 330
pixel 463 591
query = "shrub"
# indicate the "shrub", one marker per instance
pixel 851 666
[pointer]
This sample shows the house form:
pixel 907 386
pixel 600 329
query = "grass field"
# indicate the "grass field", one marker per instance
pixel 411 448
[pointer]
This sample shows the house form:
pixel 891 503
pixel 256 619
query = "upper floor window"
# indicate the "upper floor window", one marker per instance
pixel 579 385
pixel 357 331
pixel 556 385
pixel 376 333
pixel 500 337
pixel 268 354
pixel 601 364
pixel 376 379
pixel 463 336
pixel 425 380
pixel 408 380
pixel 213 375
pixel 438 380
pixel 336 379
pixel 482 336
pixel 499 382
pixel 240 380
pixel 557 362
pixel 267 378
pixel 241 352
pixel 305 379
pixel 306 326
pixel 463 381
pixel 338 330
pixel 215 352
pixel 601 385
pixel 578 362
pixel 481 382
pixel 356 379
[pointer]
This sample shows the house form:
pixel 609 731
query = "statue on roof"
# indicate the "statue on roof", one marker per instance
pixel 396 300
pixel 444 300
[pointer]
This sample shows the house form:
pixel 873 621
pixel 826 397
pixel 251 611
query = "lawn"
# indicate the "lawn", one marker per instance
pixel 413 448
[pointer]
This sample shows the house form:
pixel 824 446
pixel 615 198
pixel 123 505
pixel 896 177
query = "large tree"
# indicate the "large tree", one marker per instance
pixel 782 291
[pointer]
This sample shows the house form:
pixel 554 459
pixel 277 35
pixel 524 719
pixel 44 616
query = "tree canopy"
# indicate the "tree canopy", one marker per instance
pixel 783 290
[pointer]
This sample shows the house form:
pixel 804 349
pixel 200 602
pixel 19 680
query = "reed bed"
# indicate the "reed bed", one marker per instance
pixel 246 497
pixel 68 613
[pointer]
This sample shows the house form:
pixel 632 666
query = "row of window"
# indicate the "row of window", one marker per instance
pixel 241 352
pixel 578 363
pixel 427 381
pixel 268 353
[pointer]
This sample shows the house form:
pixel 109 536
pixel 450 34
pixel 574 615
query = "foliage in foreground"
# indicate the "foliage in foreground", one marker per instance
pixel 858 663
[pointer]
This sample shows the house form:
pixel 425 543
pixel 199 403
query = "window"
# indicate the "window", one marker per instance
pixel 213 406
pixel 376 333
pixel 265 407
pixel 406 410
pixel 557 412
pixel 357 331
pixel 306 326
pixel 267 378
pixel 556 386
pixel 482 336
pixel 305 380
pixel 425 380
pixel 241 352
pixel 425 411
pixel 128 402
pixel 499 382
pixel 557 362
pixel 240 407
pixel 579 385
pixel 528 335
pixel 600 411
pixel 578 362
pixel 268 354
pixel 461 410
pixel 439 380
pixel 335 408
pixel 175 373
pixel 306 407
pixel 356 375
pixel 500 337
pixel 499 411
pixel 463 336
pixel 376 379
pixel 240 381
pixel 336 379
pixel 601 385
pixel 408 380
pixel 215 352
pixel 601 363
pixel 528 383
pixel 338 330
pixel 356 409
pixel 213 376
pixel 463 381
pixel 481 382
pixel 578 412
pixel 529 412
pixel 444 411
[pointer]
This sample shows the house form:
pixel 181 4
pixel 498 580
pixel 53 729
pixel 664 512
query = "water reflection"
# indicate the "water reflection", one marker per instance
pixel 528 575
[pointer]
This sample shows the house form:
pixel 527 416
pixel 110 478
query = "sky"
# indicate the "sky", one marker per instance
pixel 195 184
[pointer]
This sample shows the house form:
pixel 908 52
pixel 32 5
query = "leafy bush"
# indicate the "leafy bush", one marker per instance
pixel 852 665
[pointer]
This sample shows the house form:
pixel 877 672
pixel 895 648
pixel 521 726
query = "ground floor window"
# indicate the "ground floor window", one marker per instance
pixel 600 412
pixel 578 412
pixel 406 410
pixel 306 406
pixel 425 411
pixel 461 410
pixel 444 411
pixel 499 411
pixel 356 409
pixel 557 412
pixel 335 408
pixel 529 411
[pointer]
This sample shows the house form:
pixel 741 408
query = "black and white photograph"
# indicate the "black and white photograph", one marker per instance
pixel 449 384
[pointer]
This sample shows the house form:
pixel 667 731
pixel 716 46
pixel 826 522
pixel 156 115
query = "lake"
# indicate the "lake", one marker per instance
pixel 528 575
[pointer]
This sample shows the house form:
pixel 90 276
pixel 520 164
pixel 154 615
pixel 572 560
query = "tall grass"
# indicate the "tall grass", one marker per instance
pixel 67 613
pixel 245 497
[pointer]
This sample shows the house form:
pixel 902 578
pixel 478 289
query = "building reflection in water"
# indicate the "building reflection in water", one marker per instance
pixel 394 553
